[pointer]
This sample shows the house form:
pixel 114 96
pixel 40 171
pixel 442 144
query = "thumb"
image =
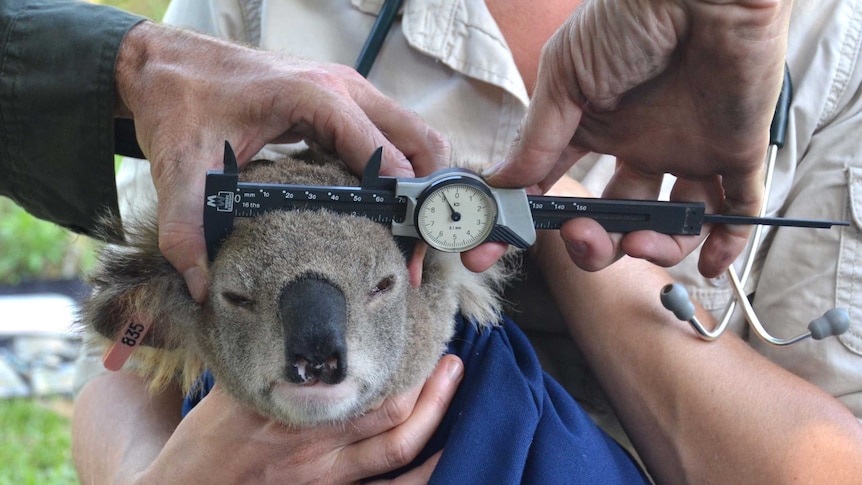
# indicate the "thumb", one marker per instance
pixel 182 243
pixel 180 219
pixel 179 175
pixel 540 154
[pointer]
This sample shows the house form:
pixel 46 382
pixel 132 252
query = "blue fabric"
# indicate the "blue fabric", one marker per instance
pixel 512 423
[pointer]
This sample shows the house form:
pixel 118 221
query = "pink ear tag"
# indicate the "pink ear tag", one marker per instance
pixel 131 336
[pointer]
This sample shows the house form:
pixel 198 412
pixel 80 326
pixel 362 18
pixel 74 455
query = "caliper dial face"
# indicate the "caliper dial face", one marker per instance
pixel 455 215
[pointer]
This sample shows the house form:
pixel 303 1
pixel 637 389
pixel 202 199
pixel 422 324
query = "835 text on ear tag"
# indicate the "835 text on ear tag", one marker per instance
pixel 125 343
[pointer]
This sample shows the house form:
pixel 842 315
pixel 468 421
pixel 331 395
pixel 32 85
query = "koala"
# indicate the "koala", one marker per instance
pixel 310 317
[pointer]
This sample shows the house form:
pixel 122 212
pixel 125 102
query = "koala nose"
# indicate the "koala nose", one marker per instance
pixel 314 318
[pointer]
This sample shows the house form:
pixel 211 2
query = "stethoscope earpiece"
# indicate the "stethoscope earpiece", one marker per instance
pixel 834 322
pixel 675 298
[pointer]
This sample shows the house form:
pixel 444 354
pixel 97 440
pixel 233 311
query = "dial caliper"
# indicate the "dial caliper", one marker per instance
pixel 452 210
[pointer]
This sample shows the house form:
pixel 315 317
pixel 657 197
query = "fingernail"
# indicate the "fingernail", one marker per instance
pixel 196 281
pixel 576 248
pixel 489 172
pixel 454 370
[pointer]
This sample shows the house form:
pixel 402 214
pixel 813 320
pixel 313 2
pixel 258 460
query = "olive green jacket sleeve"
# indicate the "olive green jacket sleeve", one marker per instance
pixel 57 96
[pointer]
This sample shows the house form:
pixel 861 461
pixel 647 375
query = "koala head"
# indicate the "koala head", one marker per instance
pixel 310 316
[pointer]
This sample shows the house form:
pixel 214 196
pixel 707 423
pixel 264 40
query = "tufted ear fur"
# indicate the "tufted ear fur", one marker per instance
pixel 134 283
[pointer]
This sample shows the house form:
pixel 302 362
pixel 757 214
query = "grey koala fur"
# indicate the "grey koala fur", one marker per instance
pixel 393 336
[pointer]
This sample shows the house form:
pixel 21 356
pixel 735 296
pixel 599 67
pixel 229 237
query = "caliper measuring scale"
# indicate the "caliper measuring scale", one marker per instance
pixel 453 210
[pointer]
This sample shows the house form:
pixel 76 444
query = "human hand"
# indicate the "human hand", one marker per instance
pixel 222 441
pixel 686 87
pixel 188 93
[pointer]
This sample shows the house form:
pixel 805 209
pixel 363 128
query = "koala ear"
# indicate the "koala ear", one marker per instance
pixel 135 287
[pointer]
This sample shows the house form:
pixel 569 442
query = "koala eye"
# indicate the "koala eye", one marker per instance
pixel 237 300
pixel 382 286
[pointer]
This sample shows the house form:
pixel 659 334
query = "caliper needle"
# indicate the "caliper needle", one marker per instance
pixel 455 215
pixel 771 221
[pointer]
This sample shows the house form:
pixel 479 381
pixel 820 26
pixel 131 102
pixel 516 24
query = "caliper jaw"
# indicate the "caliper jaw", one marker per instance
pixel 219 211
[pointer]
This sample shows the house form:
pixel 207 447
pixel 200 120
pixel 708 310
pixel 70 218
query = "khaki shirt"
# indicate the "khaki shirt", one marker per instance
pixel 447 60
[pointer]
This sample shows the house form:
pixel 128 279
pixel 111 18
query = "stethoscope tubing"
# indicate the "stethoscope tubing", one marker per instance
pixel 675 298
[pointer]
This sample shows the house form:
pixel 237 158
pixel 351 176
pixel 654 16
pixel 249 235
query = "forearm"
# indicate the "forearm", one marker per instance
pixel 119 428
pixel 697 412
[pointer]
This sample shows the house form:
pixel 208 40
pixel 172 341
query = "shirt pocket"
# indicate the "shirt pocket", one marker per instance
pixel 849 280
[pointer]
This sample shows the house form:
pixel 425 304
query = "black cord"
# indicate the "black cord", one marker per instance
pixel 384 21
pixel 778 128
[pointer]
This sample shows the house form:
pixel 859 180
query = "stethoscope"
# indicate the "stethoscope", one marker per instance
pixel 675 298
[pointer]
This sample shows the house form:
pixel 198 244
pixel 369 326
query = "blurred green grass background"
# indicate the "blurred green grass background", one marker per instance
pixel 35 434
pixel 34 444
